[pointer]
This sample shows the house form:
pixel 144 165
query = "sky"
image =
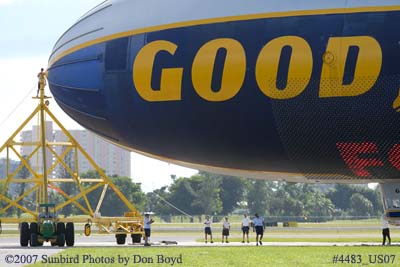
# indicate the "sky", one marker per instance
pixel 28 31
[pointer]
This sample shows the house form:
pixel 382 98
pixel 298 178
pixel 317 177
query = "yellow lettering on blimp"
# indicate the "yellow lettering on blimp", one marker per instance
pixel 171 78
pixel 233 73
pixel 234 70
pixel 300 67
pixel 367 68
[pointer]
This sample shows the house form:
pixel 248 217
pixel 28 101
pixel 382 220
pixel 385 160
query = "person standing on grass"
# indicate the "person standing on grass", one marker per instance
pixel 385 232
pixel 226 226
pixel 245 227
pixel 207 229
pixel 259 225
pixel 147 225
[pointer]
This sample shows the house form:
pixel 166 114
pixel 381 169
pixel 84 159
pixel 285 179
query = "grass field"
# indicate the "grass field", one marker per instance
pixel 231 256
pixel 367 231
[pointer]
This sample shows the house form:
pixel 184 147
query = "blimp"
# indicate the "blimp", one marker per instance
pixel 296 91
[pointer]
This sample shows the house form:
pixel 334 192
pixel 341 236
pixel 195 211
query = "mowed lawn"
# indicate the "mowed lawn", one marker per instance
pixel 230 256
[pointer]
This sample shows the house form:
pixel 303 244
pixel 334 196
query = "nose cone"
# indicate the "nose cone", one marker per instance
pixel 77 85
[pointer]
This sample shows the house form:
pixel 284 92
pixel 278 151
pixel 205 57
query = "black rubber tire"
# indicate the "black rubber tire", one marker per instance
pixel 60 234
pixel 33 229
pixel 121 239
pixel 61 240
pixel 24 234
pixel 136 238
pixel 34 239
pixel 70 234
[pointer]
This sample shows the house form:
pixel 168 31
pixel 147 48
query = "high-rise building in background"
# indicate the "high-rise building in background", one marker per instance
pixel 112 159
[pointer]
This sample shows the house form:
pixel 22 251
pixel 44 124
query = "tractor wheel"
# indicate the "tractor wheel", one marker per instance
pixel 136 238
pixel 33 229
pixel 60 234
pixel 70 234
pixel 121 238
pixel 24 234
pixel 34 240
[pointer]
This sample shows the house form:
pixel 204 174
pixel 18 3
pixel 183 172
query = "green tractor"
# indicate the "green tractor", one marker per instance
pixel 47 228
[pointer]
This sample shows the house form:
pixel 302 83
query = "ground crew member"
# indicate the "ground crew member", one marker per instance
pixel 147 225
pixel 245 227
pixel 42 81
pixel 226 226
pixel 385 231
pixel 207 229
pixel 259 225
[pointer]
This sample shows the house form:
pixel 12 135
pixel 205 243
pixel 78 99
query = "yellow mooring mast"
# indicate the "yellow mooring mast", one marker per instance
pixel 41 179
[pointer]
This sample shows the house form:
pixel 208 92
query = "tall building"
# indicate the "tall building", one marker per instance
pixel 34 136
pixel 112 159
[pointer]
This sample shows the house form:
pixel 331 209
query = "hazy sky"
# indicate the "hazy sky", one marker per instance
pixel 28 31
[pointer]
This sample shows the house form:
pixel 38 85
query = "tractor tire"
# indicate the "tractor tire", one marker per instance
pixel 33 229
pixel 24 234
pixel 136 238
pixel 70 234
pixel 121 239
pixel 61 240
pixel 60 234
pixel 34 240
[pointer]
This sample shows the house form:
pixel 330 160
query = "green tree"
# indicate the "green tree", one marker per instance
pixel 207 197
pixel 232 191
pixel 341 194
pixel 318 205
pixel 183 193
pixel 258 194
pixel 360 205
pixel 156 201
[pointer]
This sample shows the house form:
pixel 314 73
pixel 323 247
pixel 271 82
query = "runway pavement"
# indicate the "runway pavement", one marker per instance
pixel 8 243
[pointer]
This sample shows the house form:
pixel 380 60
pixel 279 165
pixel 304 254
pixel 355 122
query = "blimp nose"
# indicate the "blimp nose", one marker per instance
pixel 77 85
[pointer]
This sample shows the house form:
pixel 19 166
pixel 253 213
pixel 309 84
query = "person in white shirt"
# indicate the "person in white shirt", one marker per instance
pixel 42 81
pixel 385 231
pixel 245 227
pixel 147 225
pixel 207 229
pixel 226 226
pixel 259 225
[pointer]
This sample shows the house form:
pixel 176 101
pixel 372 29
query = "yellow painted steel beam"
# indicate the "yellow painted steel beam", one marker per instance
pixel 17 205
pixel 82 180
pixel 86 191
pixel 21 181
pixel 79 206
pixel 60 144
pixel 19 129
pixel 74 175
pixel 26 143
pixel 17 220
pixel 27 193
pixel 99 170
pixel 10 177
pixel 59 159
pixel 25 162
pixel 103 193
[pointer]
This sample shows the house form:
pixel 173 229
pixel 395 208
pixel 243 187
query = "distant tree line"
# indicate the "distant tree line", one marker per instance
pixel 213 194
pixel 206 193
